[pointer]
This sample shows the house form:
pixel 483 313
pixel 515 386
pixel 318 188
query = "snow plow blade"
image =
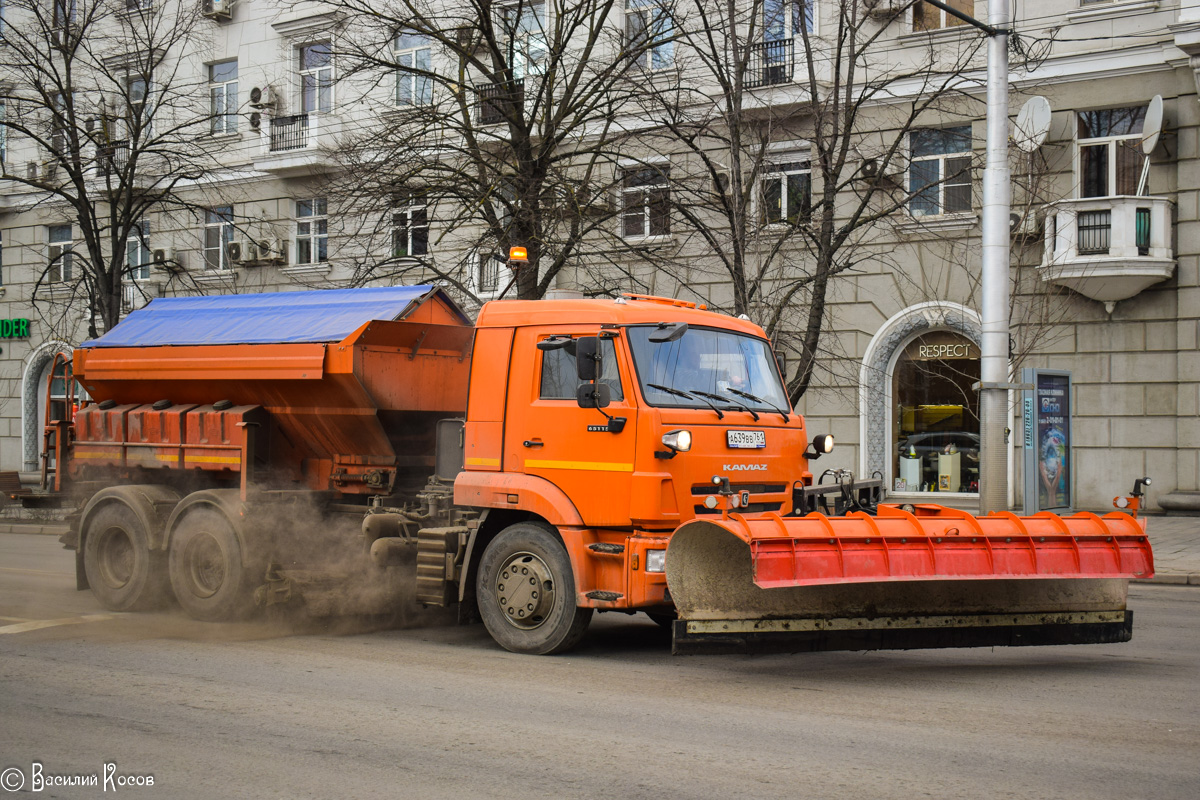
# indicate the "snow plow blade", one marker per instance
pixel 939 578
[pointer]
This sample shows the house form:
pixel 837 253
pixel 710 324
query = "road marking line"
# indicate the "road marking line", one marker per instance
pixel 15 619
pixel 33 571
pixel 51 623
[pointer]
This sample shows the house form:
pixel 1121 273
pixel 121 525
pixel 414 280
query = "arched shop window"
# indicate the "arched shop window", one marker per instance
pixel 936 414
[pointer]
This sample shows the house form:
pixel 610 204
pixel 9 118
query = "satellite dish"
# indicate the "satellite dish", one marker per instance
pixel 1152 127
pixel 1033 123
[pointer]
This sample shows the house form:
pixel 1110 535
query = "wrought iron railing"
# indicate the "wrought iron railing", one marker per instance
pixel 769 63
pixel 112 158
pixel 494 97
pixel 1094 231
pixel 289 133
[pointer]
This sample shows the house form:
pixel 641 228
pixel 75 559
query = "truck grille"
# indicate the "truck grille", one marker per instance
pixel 760 497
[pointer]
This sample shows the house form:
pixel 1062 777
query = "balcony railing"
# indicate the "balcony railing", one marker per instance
pixel 494 97
pixel 770 63
pixel 289 133
pixel 112 158
pixel 1108 248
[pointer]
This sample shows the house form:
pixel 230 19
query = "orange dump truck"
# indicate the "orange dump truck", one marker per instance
pixel 556 458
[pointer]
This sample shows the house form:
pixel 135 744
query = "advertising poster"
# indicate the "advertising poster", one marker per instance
pixel 1052 440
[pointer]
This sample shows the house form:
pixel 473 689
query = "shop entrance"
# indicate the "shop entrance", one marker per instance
pixel 936 424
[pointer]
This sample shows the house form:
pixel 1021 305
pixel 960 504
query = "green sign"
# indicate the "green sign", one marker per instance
pixel 14 328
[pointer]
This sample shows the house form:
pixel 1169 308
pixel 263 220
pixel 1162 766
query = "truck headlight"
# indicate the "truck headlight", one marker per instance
pixel 678 441
pixel 656 560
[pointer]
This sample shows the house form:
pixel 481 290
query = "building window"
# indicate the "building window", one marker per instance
pixel 64 14
pixel 939 175
pixel 1110 151
pixel 61 246
pixel 931 18
pixel 786 193
pixel 410 227
pixel 316 78
pixel 218 235
pixel 59 114
pixel 487 273
pixel 783 19
pixel 647 201
pixel 137 252
pixel 312 232
pixel 649 33
pixel 524 30
pixel 413 58
pixel 3 133
pixel 223 95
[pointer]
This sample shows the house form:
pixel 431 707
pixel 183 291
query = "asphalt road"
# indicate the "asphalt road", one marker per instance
pixel 270 710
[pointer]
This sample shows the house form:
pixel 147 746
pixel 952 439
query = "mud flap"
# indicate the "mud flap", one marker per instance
pixel 874 598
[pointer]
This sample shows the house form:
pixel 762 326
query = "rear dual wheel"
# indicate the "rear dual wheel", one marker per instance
pixel 526 592
pixel 207 571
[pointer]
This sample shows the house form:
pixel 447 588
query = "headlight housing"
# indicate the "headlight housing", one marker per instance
pixel 678 441
pixel 656 560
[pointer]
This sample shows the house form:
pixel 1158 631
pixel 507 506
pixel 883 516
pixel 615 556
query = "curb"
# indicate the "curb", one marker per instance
pixel 35 530
pixel 1172 579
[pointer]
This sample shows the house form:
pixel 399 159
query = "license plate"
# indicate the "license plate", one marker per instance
pixel 746 440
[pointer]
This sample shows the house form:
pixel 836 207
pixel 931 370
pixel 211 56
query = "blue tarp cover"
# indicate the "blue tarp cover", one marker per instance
pixel 329 315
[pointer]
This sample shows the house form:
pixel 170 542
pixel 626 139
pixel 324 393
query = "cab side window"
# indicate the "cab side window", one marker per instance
pixel 559 380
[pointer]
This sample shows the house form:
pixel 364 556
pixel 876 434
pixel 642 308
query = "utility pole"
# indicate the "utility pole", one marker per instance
pixel 997 202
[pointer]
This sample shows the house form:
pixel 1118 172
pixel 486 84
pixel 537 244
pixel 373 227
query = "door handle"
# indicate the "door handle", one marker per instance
pixel 533 443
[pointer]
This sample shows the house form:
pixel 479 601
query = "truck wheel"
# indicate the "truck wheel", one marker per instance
pixel 526 592
pixel 122 570
pixel 205 562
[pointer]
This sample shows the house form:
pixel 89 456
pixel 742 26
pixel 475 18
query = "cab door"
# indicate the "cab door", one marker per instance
pixel 550 436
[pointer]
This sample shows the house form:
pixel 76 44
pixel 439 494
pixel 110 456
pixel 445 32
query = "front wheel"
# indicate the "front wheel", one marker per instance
pixel 526 592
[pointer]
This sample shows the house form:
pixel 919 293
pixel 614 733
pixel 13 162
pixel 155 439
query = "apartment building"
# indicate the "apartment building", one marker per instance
pixel 1106 277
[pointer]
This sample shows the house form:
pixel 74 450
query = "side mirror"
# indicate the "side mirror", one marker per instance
pixel 593 395
pixel 668 332
pixel 587 358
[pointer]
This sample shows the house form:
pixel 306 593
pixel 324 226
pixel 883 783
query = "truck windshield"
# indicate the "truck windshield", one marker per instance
pixel 710 362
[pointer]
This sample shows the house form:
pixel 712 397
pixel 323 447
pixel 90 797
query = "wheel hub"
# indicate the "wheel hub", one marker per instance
pixel 206 565
pixel 116 557
pixel 525 590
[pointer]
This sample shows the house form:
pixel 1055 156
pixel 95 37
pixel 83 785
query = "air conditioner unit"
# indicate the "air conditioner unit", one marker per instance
pixel 874 169
pixel 237 252
pixel 166 259
pixel 264 97
pixel 1025 225
pixel 884 9
pixel 273 250
pixel 217 9
pixel 255 120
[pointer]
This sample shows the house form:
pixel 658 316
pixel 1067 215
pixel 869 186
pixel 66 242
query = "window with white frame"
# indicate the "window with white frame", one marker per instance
pixel 410 227
pixel 59 238
pixel 523 28
pixel 650 33
pixel 316 78
pixel 312 231
pixel 218 235
pixel 137 252
pixel 223 96
pixel 1110 151
pixel 927 17
pixel 487 273
pixel 647 201
pixel 414 59
pixel 140 111
pixel 783 19
pixel 939 173
pixel 786 195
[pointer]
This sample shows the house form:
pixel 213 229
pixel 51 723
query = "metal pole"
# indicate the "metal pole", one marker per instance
pixel 997 201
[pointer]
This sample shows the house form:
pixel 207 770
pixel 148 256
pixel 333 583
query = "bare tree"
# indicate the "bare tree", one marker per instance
pixel 110 119
pixel 500 122
pixel 780 228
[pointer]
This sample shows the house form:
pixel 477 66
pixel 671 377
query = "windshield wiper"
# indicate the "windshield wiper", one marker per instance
pixel 736 406
pixel 685 395
pixel 754 399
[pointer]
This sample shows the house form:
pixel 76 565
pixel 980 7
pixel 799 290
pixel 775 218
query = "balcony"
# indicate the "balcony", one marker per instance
pixel 1108 248
pixel 112 158
pixel 296 144
pixel 494 97
pixel 769 64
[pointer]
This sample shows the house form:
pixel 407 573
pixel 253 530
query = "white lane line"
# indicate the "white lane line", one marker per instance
pixel 15 619
pixel 38 624
pixel 33 571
